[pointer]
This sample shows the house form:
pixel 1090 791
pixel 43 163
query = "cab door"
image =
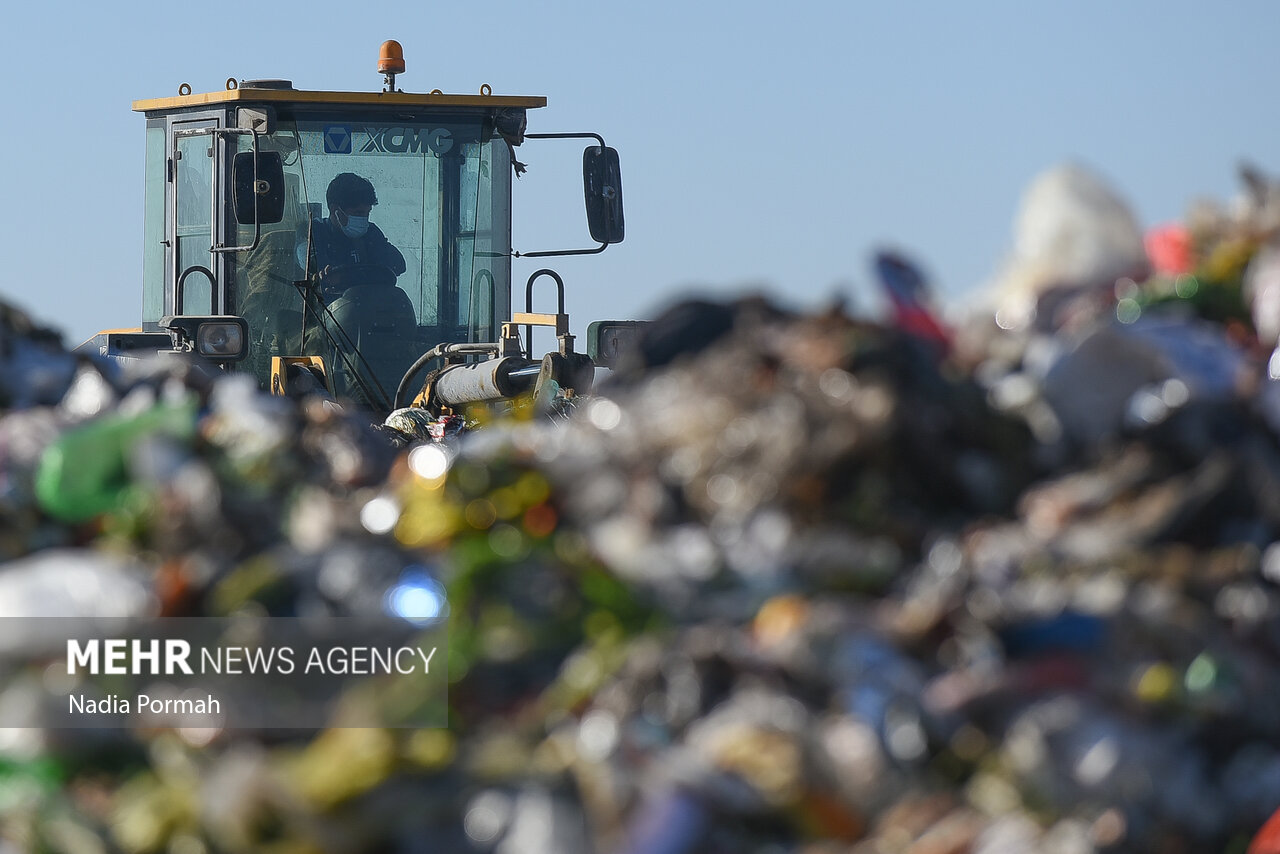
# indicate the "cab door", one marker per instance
pixel 196 218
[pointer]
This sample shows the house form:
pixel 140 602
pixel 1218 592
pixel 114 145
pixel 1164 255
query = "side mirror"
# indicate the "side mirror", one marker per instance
pixel 602 186
pixel 267 188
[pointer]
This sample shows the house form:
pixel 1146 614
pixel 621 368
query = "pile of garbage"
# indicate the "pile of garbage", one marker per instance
pixel 788 582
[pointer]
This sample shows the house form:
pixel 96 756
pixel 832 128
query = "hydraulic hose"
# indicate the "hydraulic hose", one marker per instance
pixel 434 353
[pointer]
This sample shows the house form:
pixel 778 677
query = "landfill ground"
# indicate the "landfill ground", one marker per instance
pixel 993 580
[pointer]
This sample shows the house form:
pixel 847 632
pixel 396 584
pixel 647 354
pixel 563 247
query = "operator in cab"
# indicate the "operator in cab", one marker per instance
pixel 347 246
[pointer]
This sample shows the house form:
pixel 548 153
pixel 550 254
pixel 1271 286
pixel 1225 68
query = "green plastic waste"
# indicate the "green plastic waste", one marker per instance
pixel 82 474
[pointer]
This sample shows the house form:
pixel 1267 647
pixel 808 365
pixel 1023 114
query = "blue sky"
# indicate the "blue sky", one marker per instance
pixel 763 145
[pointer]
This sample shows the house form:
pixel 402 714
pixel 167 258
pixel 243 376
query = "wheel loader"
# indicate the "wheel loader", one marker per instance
pixel 239 265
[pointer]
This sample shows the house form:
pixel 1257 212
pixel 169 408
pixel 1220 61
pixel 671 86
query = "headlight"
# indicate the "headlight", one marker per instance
pixel 219 337
pixel 607 340
pixel 222 341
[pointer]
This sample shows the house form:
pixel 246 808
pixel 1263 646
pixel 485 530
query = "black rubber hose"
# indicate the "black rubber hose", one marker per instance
pixel 434 353
pixel 420 363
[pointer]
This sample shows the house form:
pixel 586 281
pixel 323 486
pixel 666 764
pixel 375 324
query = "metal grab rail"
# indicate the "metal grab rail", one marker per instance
pixel 528 304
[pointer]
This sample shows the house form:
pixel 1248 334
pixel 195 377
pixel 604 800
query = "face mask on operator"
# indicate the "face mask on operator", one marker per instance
pixel 356 226
pixel 352 226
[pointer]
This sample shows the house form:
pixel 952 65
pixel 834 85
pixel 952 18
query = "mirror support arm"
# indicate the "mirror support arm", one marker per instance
pixel 558 252
pixel 597 137
pixel 549 253
pixel 257 220
pixel 257 225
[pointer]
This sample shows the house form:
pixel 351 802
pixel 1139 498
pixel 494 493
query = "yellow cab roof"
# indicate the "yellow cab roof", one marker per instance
pixel 249 94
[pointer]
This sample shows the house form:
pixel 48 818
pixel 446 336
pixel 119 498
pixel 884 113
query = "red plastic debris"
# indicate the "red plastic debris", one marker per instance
pixel 1169 248
pixel 1267 840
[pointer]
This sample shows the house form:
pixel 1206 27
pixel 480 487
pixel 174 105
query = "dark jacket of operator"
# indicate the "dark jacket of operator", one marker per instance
pixel 335 249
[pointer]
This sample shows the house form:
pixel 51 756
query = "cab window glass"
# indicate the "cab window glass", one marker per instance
pixel 153 225
pixel 391 288
pixel 193 175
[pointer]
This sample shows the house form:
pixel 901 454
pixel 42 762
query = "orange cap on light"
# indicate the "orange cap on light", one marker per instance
pixel 391 58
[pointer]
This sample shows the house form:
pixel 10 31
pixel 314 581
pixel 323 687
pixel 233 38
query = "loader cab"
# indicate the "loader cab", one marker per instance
pixel 238 222
pixel 246 263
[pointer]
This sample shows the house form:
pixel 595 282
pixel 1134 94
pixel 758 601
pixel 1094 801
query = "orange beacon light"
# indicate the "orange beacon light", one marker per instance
pixel 391 58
